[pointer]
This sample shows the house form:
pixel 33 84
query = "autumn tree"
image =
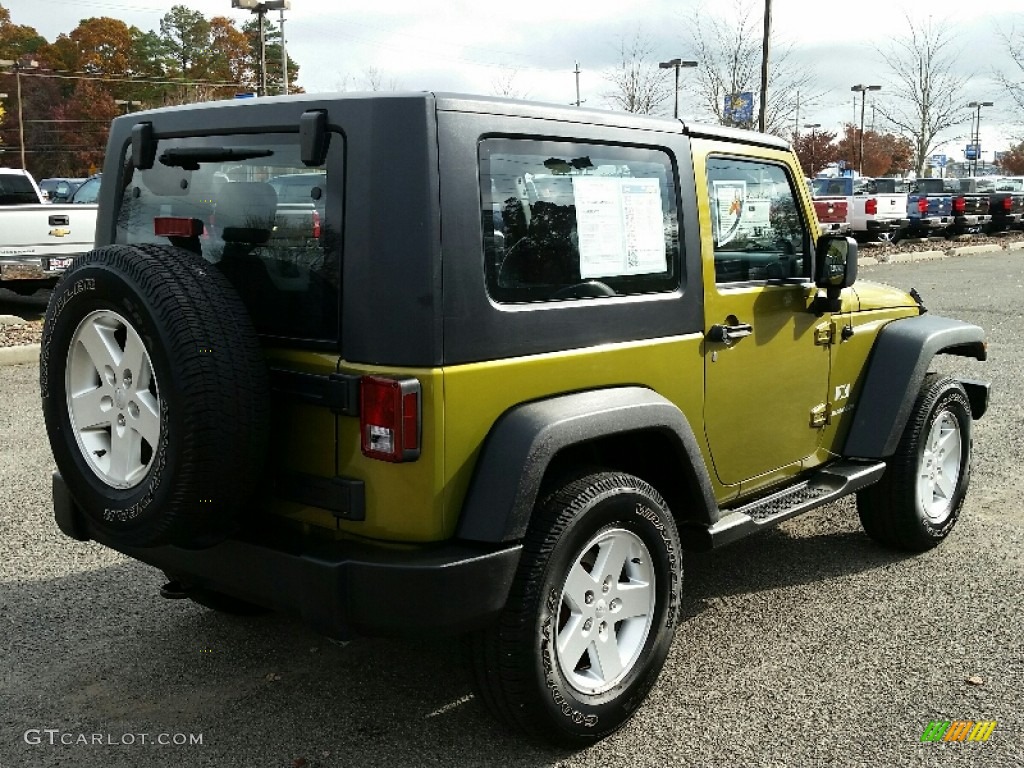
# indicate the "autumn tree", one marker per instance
pixel 729 63
pixel 816 150
pixel 885 154
pixel 638 84
pixel 1013 160
pixel 16 40
pixel 929 95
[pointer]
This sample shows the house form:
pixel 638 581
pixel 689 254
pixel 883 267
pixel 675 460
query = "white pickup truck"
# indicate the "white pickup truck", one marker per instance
pixel 877 210
pixel 38 240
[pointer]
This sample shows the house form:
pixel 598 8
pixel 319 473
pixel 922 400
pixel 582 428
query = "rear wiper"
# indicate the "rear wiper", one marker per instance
pixel 190 158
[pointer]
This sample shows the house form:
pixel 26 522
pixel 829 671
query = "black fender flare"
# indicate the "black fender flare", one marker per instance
pixel 897 367
pixel 525 439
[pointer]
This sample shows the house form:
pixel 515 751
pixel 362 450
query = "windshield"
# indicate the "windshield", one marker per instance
pixel 826 187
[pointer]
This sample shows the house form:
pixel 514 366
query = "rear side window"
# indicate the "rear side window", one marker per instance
pixel 565 221
pixel 251 208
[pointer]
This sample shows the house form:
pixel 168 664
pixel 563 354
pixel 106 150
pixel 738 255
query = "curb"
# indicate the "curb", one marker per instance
pixel 19 355
pixel 966 250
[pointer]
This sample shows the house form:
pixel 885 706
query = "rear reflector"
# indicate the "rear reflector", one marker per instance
pixel 1007 203
pixel 177 226
pixel 389 418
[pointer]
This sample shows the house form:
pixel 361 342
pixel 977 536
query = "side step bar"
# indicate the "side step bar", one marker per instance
pixel 827 485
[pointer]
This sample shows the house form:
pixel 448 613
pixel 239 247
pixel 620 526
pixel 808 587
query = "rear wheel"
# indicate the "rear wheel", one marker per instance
pixel 918 501
pixel 591 615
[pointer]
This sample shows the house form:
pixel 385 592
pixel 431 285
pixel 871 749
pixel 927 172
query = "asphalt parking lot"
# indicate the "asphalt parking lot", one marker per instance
pixel 806 646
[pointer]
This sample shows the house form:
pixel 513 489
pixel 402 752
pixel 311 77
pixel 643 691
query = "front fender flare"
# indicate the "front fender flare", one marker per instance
pixel 525 439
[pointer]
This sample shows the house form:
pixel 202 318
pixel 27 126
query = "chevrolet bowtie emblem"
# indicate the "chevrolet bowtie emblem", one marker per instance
pixel 60 232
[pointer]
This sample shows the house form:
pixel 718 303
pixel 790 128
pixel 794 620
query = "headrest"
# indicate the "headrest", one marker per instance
pixel 245 211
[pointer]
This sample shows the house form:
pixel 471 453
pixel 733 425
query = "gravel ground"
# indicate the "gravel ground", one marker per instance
pixel 806 646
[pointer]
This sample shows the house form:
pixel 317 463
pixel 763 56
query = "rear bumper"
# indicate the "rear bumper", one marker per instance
pixel 887 225
pixel 340 588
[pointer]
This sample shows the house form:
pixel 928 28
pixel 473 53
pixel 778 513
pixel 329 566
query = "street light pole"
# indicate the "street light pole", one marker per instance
pixel 863 90
pixel 814 127
pixel 676 64
pixel 977 132
pixel 284 58
pixel 260 9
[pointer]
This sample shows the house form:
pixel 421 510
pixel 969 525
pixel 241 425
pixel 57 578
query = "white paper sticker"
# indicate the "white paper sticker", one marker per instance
pixel 730 201
pixel 620 226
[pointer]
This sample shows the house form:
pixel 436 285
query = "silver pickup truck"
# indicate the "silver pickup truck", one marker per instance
pixel 38 240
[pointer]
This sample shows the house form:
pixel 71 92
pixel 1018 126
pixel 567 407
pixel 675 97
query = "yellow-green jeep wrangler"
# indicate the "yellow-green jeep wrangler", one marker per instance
pixel 427 362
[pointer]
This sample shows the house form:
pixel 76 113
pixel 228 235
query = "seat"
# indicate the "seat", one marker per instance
pixel 245 212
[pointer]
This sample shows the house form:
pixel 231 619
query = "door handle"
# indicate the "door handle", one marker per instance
pixel 58 221
pixel 729 334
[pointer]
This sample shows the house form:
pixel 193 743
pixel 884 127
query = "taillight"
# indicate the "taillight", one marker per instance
pixel 1007 204
pixel 316 225
pixel 871 206
pixel 922 205
pixel 177 226
pixel 959 205
pixel 389 418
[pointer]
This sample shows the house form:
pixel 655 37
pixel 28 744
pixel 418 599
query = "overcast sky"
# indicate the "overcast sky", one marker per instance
pixel 468 46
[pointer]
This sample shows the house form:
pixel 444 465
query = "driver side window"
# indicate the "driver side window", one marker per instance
pixel 758 226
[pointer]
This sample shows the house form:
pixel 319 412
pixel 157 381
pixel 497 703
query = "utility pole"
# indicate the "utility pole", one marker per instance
pixel 577 71
pixel 796 125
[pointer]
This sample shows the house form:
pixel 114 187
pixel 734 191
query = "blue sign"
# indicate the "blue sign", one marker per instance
pixel 939 160
pixel 972 151
pixel 739 108
pixel 245 95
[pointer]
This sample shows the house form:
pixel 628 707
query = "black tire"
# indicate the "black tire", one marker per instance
pixel 907 509
pixel 564 697
pixel 196 407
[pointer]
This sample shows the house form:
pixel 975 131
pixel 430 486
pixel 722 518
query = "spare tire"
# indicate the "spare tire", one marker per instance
pixel 155 395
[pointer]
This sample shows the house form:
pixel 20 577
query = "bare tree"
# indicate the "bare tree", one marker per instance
pixel 375 81
pixel 729 56
pixel 504 84
pixel 1014 40
pixel 640 86
pixel 928 93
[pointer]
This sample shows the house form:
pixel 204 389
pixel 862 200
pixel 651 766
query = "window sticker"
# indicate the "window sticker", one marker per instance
pixel 620 225
pixel 730 202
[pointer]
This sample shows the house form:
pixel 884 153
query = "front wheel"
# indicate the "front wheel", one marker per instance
pixel 591 614
pixel 917 502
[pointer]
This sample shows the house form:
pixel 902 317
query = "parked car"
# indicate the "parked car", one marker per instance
pixel 1006 203
pixel 414 425
pixel 929 207
pixel 59 190
pixel 38 239
pixel 873 215
pixel 970 204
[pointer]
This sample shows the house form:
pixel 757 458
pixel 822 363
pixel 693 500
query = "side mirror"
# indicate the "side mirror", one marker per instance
pixel 314 137
pixel 835 268
pixel 143 146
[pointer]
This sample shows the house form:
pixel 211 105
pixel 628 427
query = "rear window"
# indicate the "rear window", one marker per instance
pixel 263 220
pixel 16 189
pixel 565 220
